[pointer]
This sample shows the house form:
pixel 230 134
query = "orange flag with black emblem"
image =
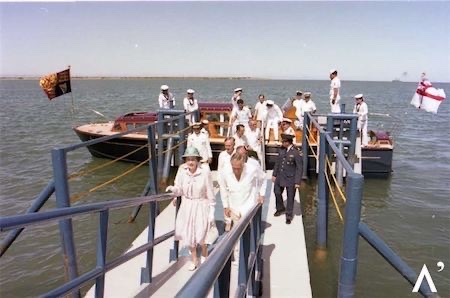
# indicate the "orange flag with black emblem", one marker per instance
pixel 56 84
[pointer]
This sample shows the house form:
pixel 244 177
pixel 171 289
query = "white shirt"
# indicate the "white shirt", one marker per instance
pixel 253 138
pixel 188 107
pixel 201 142
pixel 335 83
pixel 244 192
pixel 242 116
pixel 308 106
pixel 274 113
pixel 298 103
pixel 260 110
pixel 164 102
pixel 223 159
pixel 240 141
pixel 362 110
pixel 234 99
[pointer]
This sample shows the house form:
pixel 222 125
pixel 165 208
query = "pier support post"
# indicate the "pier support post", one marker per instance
pixel 352 147
pixel 349 257
pixel 322 196
pixel 160 132
pixel 339 167
pixel 65 226
pixel 305 147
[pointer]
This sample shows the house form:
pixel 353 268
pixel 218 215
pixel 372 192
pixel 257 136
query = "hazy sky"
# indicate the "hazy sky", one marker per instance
pixel 296 40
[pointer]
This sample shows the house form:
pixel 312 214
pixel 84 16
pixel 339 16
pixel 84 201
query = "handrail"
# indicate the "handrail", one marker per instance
pixel 35 206
pixel 218 263
pixel 20 221
pixel 25 220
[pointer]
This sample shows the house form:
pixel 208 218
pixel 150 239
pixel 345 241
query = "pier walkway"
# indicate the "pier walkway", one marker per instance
pixel 285 266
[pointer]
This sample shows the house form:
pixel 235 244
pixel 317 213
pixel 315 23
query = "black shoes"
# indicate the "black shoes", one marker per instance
pixel 288 221
pixel 279 212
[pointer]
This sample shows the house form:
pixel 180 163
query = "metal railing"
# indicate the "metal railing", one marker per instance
pixel 103 209
pixel 215 272
pixel 353 226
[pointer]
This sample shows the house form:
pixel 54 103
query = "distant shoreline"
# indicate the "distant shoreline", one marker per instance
pixel 134 78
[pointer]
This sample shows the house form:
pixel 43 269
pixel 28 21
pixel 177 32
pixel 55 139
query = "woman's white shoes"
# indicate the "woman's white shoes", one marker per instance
pixel 202 259
pixel 192 266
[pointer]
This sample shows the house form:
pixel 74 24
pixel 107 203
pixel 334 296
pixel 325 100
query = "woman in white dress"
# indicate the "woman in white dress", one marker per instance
pixel 194 184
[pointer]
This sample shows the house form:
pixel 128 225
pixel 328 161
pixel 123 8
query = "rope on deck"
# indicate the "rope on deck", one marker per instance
pixel 310 146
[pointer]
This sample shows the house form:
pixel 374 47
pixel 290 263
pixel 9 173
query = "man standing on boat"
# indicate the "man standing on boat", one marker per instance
pixel 254 137
pixel 286 128
pixel 201 142
pixel 190 104
pixel 335 96
pixel 287 173
pixel 236 96
pixel 362 110
pixel 308 106
pixel 166 99
pixel 273 119
pixel 240 115
pixel 294 101
pixel 260 109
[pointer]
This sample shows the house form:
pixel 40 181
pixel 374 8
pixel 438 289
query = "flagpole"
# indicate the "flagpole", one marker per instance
pixel 72 109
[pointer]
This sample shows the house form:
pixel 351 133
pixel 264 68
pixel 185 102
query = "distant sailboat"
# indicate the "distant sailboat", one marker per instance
pixel 404 75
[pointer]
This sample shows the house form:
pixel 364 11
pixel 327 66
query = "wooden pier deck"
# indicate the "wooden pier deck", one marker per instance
pixel 286 272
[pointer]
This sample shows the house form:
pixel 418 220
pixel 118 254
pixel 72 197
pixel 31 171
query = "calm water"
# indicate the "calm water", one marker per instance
pixel 410 210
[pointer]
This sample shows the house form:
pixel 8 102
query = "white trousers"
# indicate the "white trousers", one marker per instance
pixel 272 123
pixel 362 126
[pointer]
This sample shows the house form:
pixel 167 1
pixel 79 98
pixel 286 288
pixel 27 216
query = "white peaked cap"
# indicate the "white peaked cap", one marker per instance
pixel 358 96
pixel 269 102
pixel 287 120
pixel 333 70
pixel 164 87
pixel 190 91
pixel 237 89
pixel 307 94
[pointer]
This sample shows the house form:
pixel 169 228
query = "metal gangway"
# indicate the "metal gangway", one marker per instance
pixel 257 234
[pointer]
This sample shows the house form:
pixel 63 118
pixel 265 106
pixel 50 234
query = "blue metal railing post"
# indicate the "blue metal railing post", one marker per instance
pixel 101 253
pixel 305 148
pixel 160 132
pixel 353 134
pixel 35 206
pixel 244 252
pixel 151 186
pixel 182 134
pixel 146 274
pixel 322 196
pixel 65 226
pixel 349 257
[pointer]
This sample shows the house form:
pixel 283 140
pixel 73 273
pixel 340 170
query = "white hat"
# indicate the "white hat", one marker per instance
pixel 191 91
pixel 164 87
pixel 237 89
pixel 333 70
pixel 196 124
pixel 205 121
pixel 358 96
pixel 287 120
pixel 307 94
pixel 269 103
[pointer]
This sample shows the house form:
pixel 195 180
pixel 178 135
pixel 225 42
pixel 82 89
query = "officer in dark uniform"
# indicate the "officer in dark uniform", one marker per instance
pixel 287 173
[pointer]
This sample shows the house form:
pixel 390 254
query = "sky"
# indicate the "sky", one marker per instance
pixel 375 41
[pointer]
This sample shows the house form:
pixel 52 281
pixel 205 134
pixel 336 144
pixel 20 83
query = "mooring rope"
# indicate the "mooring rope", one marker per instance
pixel 334 199
pixel 335 181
